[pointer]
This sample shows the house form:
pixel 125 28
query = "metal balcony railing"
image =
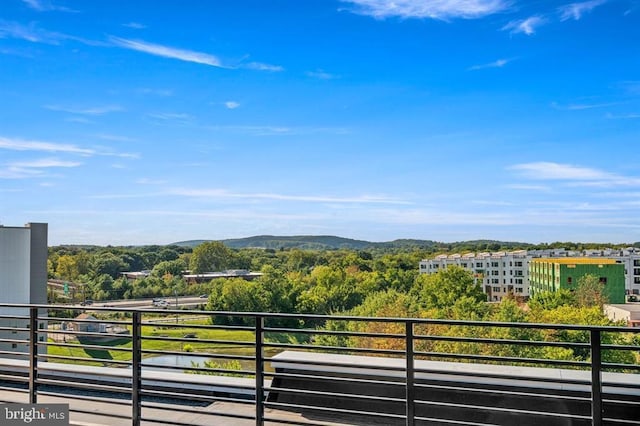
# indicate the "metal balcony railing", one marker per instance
pixel 268 368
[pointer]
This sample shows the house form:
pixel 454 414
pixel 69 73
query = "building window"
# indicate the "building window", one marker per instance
pixel 478 264
pixel 519 290
pixel 494 264
pixel 569 280
pixel 496 289
pixel 603 280
pixel 518 263
pixel 14 345
pixel 636 262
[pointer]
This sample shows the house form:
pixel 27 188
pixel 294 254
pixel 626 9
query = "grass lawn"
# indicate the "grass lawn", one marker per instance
pixel 109 351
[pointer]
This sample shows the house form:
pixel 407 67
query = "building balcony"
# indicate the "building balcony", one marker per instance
pixel 177 367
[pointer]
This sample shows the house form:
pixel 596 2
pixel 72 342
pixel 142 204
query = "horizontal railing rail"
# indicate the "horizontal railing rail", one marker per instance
pixel 149 364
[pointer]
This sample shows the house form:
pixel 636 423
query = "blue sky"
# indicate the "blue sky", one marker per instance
pixel 150 122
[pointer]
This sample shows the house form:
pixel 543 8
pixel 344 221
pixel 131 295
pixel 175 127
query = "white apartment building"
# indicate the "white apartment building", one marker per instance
pixel 23 279
pixel 502 273
pixel 497 273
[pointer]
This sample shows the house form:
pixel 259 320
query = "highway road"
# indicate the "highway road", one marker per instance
pixel 182 301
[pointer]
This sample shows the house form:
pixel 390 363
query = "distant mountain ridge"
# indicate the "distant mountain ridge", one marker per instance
pixel 329 242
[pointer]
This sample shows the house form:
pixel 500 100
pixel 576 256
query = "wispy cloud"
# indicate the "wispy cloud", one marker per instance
pixel 34 168
pixel 31 33
pixel 576 10
pixel 100 110
pixel 321 75
pixel 439 9
pixel 259 66
pixel 495 64
pixel 46 6
pixel 232 104
pixel 13 144
pixel 24 145
pixel 523 187
pixel 526 26
pixel 44 163
pixel 115 138
pixel 629 116
pixel 171 116
pixel 579 107
pixel 157 92
pixel 223 193
pixel 135 25
pixel 575 175
pixel 168 52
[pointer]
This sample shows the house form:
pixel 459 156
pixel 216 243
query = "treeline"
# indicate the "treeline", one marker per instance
pixel 349 282
pixel 100 270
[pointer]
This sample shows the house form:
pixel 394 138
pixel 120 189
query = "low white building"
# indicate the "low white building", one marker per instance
pixel 23 279
pixel 629 313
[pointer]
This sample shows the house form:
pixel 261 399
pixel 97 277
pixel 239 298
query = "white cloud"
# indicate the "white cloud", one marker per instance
pixel 576 10
pixel 495 64
pixel 433 9
pixel 29 33
pixel 157 92
pixel 115 138
pixel 527 26
pixel 135 25
pixel 263 67
pixel 320 74
pixel 168 52
pixel 25 145
pixel 232 104
pixel 171 116
pixel 223 193
pixel 521 187
pixel 573 175
pixel 34 168
pixel 579 107
pixel 44 163
pixel 100 110
pixel 623 116
pixel 45 6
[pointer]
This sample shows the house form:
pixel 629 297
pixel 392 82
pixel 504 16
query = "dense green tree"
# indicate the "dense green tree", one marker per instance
pixel 590 292
pixel 108 264
pixel 210 256
pixel 169 267
pixel 442 289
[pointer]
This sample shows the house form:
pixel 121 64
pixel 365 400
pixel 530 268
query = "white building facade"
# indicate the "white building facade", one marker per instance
pixel 502 273
pixel 23 279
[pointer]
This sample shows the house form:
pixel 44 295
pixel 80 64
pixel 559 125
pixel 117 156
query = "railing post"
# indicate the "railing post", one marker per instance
pixel 259 370
pixel 33 355
pixel 596 378
pixel 136 368
pixel 410 390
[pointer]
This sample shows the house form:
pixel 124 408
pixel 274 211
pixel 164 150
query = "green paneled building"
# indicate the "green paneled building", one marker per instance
pixel 553 274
